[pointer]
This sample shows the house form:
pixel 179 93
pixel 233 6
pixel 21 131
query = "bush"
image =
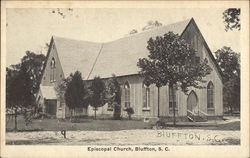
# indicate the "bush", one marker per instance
pixel 130 111
pixel 117 111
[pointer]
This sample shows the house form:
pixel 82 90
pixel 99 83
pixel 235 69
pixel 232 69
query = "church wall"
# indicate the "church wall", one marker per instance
pixel 59 76
pixel 196 40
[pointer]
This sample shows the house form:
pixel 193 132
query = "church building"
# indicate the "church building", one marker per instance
pixel 120 57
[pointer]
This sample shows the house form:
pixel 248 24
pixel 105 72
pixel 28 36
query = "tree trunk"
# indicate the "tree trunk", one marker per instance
pixel 71 114
pixel 15 119
pixel 158 101
pixel 231 109
pixel 172 87
pixel 95 113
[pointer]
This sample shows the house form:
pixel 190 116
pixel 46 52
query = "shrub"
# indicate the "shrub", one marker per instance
pixel 130 111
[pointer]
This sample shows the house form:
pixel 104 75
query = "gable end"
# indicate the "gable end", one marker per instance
pixel 217 68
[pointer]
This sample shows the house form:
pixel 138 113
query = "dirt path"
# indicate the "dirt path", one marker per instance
pixel 127 137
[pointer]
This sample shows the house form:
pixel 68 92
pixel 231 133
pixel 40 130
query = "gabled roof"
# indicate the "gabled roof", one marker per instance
pixel 76 55
pixel 118 57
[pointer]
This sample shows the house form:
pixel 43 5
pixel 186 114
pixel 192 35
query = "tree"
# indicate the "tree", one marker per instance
pixel 34 65
pixel 130 111
pixel 11 75
pixel 97 98
pixel 76 94
pixel 134 31
pixel 61 88
pixel 23 80
pixel 229 62
pixel 231 18
pixel 151 24
pixel 113 96
pixel 171 61
pixel 18 90
pixel 31 65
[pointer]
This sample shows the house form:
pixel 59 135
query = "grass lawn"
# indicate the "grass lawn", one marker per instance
pixel 103 125
pixel 231 126
pixel 86 124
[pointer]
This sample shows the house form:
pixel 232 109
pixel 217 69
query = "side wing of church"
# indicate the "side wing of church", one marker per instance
pixel 120 57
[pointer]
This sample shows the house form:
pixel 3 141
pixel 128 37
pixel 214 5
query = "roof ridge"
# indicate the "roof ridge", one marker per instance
pixel 93 58
pixel 153 29
pixel 140 33
pixel 72 39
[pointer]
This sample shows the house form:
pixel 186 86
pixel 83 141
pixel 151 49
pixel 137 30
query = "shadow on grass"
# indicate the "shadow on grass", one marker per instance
pixel 232 126
pixel 47 141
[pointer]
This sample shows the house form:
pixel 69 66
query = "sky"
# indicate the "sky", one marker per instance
pixel 31 29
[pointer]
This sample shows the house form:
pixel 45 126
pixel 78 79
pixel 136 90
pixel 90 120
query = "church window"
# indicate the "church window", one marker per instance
pixel 172 97
pixel 127 94
pixel 52 70
pixel 146 96
pixel 210 95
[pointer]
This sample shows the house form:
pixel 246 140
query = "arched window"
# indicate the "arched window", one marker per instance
pixel 52 70
pixel 210 95
pixel 127 94
pixel 53 63
pixel 172 98
pixel 146 96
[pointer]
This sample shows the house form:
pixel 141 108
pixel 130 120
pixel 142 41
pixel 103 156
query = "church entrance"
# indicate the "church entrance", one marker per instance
pixel 192 102
pixel 51 106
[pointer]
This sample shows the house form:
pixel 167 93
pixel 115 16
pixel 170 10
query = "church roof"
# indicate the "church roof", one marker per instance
pixel 118 57
pixel 76 55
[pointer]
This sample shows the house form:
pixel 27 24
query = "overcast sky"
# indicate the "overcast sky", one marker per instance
pixel 30 29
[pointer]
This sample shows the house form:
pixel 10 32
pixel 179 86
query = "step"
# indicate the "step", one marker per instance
pixel 190 118
pixel 197 119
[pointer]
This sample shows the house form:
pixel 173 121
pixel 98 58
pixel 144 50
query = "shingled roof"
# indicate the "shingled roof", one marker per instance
pixel 118 57
pixel 76 55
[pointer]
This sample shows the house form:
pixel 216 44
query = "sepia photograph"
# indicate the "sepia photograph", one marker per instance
pixel 122 79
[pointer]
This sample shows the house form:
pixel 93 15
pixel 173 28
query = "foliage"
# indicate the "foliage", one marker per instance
pixel 19 88
pixel 113 91
pixel 23 80
pixel 229 62
pixel 28 115
pixel 231 18
pixel 171 61
pixel 113 95
pixel 134 31
pixel 130 111
pixel 76 93
pixel 34 65
pixel 61 87
pixel 11 80
pixel 97 98
pixel 151 24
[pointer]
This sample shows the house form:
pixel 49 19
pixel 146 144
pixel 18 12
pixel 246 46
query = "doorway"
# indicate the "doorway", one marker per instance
pixel 192 102
pixel 51 106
